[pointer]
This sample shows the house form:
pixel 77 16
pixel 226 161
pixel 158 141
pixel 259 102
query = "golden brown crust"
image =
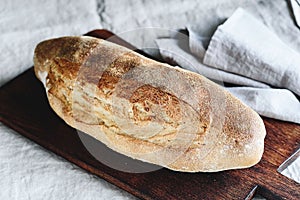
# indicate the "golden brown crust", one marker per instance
pixel 148 110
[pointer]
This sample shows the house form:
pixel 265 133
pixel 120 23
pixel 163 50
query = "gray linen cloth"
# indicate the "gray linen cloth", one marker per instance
pixel 170 50
pixel 245 52
pixel 243 45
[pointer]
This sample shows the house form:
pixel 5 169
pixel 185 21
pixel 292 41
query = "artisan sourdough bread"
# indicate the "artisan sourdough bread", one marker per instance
pixel 145 109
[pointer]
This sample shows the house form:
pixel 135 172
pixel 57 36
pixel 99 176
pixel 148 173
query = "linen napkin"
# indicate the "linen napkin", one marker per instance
pixel 171 50
pixel 255 65
pixel 243 45
pixel 274 103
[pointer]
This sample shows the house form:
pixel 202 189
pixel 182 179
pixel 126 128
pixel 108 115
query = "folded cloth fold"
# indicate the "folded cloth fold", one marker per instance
pixel 274 103
pixel 171 50
pixel 245 46
pixel 197 44
pixel 254 61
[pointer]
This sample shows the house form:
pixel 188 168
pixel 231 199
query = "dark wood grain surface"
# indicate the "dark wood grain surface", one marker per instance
pixel 24 108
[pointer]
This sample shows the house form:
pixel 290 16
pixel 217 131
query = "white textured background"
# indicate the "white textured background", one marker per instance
pixel 28 171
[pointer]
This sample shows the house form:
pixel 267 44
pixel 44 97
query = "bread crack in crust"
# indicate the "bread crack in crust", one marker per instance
pixel 145 109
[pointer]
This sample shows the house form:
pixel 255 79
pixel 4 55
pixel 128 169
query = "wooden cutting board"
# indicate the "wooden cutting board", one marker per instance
pixel 24 108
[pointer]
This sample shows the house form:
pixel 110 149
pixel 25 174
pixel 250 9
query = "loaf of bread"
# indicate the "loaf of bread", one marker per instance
pixel 147 110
